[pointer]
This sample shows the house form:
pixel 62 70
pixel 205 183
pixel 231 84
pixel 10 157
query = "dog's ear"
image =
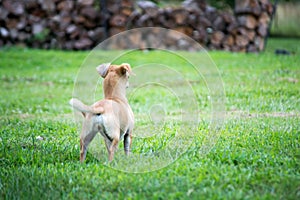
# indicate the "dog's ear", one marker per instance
pixel 102 69
pixel 125 67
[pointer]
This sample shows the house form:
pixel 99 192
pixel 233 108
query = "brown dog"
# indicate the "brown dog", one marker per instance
pixel 112 116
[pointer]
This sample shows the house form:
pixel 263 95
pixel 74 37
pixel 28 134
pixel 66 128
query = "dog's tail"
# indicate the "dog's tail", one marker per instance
pixel 78 105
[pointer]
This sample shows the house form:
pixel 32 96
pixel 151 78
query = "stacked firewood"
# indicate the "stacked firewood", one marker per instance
pixel 63 24
pixel 82 24
pixel 253 17
pixel 244 30
pixel 119 12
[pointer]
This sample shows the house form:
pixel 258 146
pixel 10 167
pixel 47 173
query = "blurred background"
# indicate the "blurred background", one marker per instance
pixel 286 21
pixel 231 25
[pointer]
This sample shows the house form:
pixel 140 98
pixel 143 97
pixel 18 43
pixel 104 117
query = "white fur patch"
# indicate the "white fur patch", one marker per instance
pixel 98 119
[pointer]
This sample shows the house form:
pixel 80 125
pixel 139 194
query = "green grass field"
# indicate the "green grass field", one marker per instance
pixel 256 156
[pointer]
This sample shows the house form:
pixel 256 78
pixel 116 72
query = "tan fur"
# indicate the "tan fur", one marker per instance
pixel 112 116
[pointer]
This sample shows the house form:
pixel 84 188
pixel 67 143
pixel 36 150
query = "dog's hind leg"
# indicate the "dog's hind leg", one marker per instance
pixel 87 135
pixel 127 142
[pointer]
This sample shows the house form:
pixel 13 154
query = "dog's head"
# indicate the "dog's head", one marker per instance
pixel 115 74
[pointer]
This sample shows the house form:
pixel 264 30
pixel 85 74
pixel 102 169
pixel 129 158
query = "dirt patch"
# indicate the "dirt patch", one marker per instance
pixel 245 114
pixel 26 116
pixel 289 79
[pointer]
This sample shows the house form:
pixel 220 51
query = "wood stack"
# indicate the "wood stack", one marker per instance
pixel 245 31
pixel 152 38
pixel 63 24
pixel 82 24
pixel 253 18
pixel 119 11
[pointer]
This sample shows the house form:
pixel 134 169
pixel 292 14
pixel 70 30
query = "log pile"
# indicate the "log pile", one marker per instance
pixel 253 17
pixel 82 24
pixel 119 12
pixel 244 30
pixel 152 38
pixel 63 24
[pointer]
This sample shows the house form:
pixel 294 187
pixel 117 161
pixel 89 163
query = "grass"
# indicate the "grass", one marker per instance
pixel 256 155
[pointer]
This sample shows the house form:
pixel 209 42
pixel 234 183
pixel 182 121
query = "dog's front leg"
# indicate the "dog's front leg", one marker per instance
pixel 111 147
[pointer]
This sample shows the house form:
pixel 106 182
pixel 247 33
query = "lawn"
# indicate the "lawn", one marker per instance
pixel 254 155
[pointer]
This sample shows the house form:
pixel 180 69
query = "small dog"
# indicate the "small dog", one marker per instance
pixel 112 116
